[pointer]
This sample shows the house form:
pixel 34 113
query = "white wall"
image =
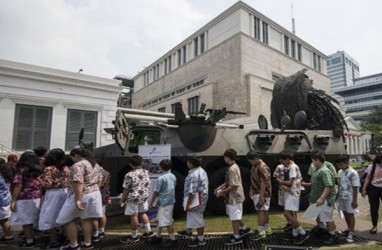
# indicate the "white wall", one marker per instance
pixel 226 28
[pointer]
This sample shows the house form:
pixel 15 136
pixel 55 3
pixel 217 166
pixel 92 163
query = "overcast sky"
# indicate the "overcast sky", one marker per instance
pixel 111 37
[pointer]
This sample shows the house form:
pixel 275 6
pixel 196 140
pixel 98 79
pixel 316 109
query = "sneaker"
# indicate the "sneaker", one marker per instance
pixel 83 246
pixel 319 231
pixel 155 240
pixel 129 239
pixel 233 241
pixel 258 236
pixel 287 227
pixel 95 238
pixel 343 233
pixel 51 246
pixel 69 247
pixel 350 237
pixel 147 235
pixel 101 235
pixel 197 243
pixel 268 231
pixel 331 240
pixel 169 244
pixel 300 239
pixel 3 239
pixel 244 232
pixel 24 244
pixel 184 233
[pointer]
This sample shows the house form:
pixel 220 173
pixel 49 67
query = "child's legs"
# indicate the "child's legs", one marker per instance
pixel 170 229
pixel 290 215
pixel 87 228
pixel 6 227
pixel 28 231
pixel 200 231
pixel 134 222
pixel 96 225
pixel 144 218
pixel 262 217
pixel 53 235
pixel 350 221
pixel 71 232
pixel 235 227
pixel 102 221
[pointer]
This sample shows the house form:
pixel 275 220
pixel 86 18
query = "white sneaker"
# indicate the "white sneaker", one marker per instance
pixel 350 237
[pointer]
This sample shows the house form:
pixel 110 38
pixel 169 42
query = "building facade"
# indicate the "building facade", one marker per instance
pixel 233 62
pixel 48 107
pixel 342 70
pixel 363 97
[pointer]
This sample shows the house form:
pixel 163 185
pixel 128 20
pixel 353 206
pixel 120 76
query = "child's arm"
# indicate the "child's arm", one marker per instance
pixel 124 195
pixel 15 194
pixel 78 187
pixel 354 203
pixel 323 196
pixel 155 195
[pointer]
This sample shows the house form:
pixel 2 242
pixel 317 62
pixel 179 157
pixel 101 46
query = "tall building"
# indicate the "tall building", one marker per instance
pixel 232 61
pixel 342 70
pixel 48 107
pixel 361 98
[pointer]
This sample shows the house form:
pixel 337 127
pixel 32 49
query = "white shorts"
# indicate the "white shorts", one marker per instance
pixel 265 206
pixel 104 209
pixel 345 206
pixel 165 216
pixel 53 201
pixel 135 208
pixel 281 199
pixel 91 202
pixel 195 220
pixel 292 203
pixel 5 212
pixel 235 212
pixel 326 213
pixel 27 212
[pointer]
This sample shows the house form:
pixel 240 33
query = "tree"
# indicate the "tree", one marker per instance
pixel 373 123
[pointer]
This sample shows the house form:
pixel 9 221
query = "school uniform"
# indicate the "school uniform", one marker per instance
pixel 5 199
pixel 234 206
pixel 347 180
pixel 292 197
pixel 260 173
pixel 165 187
pixel 137 181
pixel 83 172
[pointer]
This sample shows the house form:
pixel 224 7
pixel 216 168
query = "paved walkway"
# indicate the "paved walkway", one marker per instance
pixel 362 225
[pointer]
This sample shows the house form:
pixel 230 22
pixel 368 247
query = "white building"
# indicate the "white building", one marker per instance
pixel 357 141
pixel 48 107
pixel 232 61
pixel 342 70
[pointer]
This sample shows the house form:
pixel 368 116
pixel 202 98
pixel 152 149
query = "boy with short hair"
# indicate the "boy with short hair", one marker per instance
pixel 260 192
pixel 292 197
pixel 322 192
pixel 234 191
pixel 281 172
pixel 348 184
pixel 135 194
pixel 164 192
pixel 195 187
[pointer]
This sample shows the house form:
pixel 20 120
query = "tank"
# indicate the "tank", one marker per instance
pixel 205 135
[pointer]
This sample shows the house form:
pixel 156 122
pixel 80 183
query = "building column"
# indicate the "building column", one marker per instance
pixel 347 144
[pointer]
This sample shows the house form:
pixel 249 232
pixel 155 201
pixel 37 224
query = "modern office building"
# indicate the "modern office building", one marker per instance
pixel 48 107
pixel 342 70
pixel 361 98
pixel 232 61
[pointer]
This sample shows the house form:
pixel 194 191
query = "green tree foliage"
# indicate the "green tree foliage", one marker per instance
pixel 373 123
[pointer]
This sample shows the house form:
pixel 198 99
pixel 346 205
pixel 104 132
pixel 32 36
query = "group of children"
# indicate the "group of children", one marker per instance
pixel 51 192
pixel 48 191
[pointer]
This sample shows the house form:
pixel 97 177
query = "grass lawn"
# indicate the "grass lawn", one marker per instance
pixel 372 247
pixel 213 223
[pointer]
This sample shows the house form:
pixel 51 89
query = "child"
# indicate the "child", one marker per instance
pixel 260 192
pixel 41 153
pixel 26 196
pixel 322 193
pixel 85 201
pixel 135 194
pixel 348 184
pixel 292 197
pixel 281 172
pixel 164 191
pixel 195 187
pixel 6 177
pixel 234 191
pixel 55 180
pixel 100 224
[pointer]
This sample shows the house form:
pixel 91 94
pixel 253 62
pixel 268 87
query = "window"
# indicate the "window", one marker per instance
pixel 154 73
pixel 165 66
pixel 335 60
pixel 314 60
pixel 257 28
pixel 162 110
pixel 196 47
pixel 173 107
pixel 179 57
pixel 319 63
pixel 202 43
pixel 299 52
pixel 293 48
pixel 169 64
pixel 184 54
pixel 32 127
pixel 286 45
pixel 265 32
pixel 157 72
pixel 145 78
pixel 78 119
pixel 193 105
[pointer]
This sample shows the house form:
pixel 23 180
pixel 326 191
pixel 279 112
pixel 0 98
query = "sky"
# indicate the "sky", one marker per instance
pixel 120 37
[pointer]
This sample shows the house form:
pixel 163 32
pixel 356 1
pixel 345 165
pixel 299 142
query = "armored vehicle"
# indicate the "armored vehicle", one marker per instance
pixel 304 121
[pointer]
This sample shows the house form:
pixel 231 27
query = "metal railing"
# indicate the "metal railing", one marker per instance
pixel 5 151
